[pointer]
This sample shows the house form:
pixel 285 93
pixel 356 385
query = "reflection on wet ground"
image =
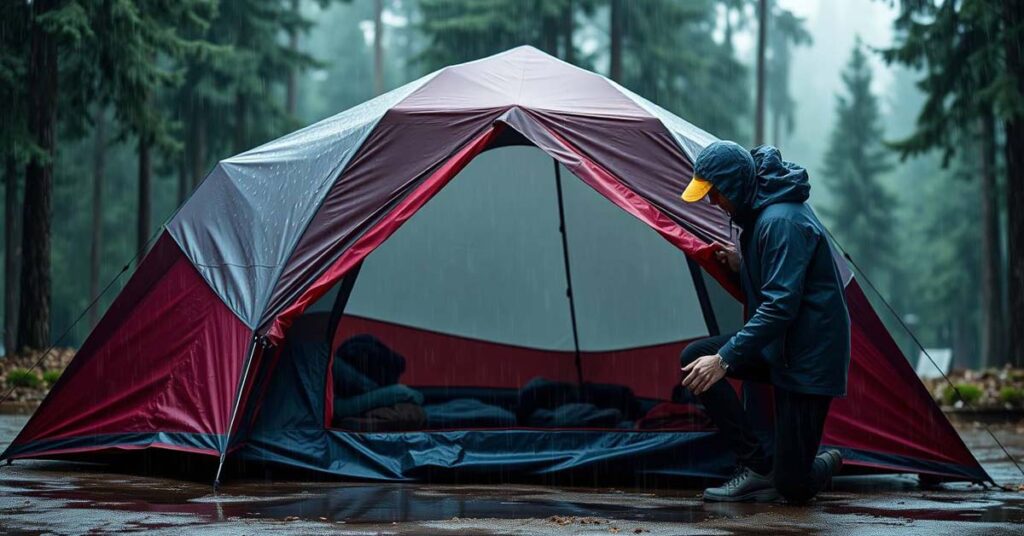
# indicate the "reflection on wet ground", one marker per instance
pixel 72 499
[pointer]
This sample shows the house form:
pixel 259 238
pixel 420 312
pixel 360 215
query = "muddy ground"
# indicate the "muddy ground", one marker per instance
pixel 62 498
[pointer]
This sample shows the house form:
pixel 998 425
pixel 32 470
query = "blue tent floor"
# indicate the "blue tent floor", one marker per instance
pixel 410 456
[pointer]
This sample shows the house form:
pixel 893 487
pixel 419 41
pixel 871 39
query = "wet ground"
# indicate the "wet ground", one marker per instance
pixel 61 498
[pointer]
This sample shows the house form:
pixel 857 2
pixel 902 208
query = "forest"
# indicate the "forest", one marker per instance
pixel 115 110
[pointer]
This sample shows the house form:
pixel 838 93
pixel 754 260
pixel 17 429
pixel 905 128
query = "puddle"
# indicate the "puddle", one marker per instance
pixel 69 499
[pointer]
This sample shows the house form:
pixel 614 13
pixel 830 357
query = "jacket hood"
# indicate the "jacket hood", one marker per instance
pixel 752 180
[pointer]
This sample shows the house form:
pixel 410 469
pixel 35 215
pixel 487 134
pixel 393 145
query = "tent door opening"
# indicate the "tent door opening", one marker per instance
pixel 505 297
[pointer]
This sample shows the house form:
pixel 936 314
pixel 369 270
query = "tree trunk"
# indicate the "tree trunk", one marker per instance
pixel 776 128
pixel 241 122
pixel 291 90
pixel 961 347
pixel 762 36
pixel 568 29
pixel 145 187
pixel 378 47
pixel 185 158
pixel 198 153
pixel 99 157
pixel 615 42
pixel 12 255
pixel 34 306
pixel 727 39
pixel 549 26
pixel 184 180
pixel 993 352
pixel 409 68
pixel 1014 126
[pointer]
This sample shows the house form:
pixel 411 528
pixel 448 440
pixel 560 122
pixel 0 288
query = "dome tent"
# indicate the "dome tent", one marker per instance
pixel 447 219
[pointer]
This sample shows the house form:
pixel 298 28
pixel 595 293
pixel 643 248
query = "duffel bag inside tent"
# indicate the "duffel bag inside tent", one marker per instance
pixel 488 271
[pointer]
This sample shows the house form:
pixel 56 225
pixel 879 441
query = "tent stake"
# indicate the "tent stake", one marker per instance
pixel 568 272
pixel 234 411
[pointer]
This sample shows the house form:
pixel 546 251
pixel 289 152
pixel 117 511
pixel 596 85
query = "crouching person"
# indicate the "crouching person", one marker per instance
pixel 797 337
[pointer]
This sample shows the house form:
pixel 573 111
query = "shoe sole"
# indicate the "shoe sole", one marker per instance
pixel 764 495
pixel 836 469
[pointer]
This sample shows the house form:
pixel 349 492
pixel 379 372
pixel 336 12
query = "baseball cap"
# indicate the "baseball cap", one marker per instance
pixel 696 190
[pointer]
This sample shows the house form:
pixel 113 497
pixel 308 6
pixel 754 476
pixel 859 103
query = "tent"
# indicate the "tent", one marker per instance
pixel 498 248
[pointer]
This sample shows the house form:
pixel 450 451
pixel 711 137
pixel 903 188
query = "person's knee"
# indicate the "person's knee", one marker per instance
pixel 794 490
pixel 690 354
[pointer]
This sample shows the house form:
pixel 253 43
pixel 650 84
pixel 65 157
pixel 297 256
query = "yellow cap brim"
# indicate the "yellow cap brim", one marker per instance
pixel 696 190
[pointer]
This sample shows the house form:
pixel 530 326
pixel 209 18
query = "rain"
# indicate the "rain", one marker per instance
pixel 423 266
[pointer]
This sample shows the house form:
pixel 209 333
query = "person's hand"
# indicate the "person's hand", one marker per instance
pixel 702 373
pixel 727 256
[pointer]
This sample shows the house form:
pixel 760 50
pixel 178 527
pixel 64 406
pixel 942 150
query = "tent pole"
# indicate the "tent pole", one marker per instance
pixel 234 411
pixel 348 282
pixel 568 272
pixel 702 296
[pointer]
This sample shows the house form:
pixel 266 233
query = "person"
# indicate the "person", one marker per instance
pixel 797 335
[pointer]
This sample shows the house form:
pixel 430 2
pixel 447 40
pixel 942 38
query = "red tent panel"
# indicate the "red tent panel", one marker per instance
pixel 887 409
pixel 165 358
pixel 442 360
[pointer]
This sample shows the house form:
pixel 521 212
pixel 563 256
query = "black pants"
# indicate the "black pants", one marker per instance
pixel 799 423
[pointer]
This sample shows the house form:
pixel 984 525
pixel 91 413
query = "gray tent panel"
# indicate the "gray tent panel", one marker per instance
pixel 246 217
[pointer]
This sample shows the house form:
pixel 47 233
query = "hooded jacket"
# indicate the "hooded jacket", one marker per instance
pixel 798 320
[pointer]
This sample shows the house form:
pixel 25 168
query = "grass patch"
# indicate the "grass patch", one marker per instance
pixel 969 392
pixel 1012 395
pixel 51 377
pixel 20 377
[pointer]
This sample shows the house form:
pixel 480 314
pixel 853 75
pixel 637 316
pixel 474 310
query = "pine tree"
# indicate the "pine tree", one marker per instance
pixel 344 82
pixel 661 49
pixel 77 53
pixel 786 32
pixel 862 214
pixel 762 45
pixel 945 225
pixel 463 30
pixel 669 57
pixel 1010 105
pixel 52 25
pixel 968 53
pixel 260 67
pixel 140 46
pixel 615 40
pixel 245 73
pixel 99 162
pixel 16 147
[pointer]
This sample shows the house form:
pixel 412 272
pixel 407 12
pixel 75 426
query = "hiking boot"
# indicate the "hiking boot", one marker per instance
pixel 744 486
pixel 833 461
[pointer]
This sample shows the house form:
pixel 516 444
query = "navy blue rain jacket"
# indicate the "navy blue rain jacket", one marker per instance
pixel 798 318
